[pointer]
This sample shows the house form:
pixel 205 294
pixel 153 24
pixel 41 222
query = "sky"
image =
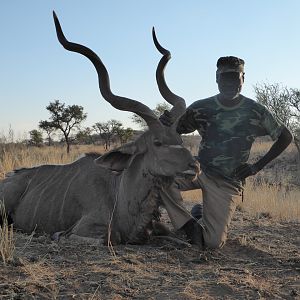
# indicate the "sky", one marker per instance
pixel 35 69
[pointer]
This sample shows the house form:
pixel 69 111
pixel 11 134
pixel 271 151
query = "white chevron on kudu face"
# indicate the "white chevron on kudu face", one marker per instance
pixel 100 197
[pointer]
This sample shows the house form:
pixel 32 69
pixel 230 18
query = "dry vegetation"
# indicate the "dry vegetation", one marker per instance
pixel 7 243
pixel 18 156
pixel 260 261
pixel 275 191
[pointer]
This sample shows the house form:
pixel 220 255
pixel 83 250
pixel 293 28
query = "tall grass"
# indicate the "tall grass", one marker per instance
pixel 259 198
pixel 268 193
pixel 275 200
pixel 263 199
pixel 19 156
pixel 7 244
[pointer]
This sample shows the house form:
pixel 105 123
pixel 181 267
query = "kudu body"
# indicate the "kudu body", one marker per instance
pixel 112 196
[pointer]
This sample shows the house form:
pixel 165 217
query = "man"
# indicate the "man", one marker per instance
pixel 228 124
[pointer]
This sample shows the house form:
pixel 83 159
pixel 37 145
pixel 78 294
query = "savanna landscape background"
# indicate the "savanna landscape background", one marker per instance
pixel 261 259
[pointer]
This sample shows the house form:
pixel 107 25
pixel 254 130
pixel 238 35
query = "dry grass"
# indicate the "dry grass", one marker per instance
pixel 14 157
pixel 39 275
pixel 254 264
pixel 7 244
pixel 273 200
pixel 192 197
pixel 262 198
pixel 261 147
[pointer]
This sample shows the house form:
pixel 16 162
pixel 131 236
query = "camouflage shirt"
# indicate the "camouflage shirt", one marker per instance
pixel 227 132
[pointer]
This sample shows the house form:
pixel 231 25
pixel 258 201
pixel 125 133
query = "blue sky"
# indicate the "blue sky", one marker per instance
pixel 35 69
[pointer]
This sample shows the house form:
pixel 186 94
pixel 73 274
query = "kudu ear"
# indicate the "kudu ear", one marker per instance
pixel 118 159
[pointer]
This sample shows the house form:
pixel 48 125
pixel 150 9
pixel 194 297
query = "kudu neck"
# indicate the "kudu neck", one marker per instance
pixel 138 198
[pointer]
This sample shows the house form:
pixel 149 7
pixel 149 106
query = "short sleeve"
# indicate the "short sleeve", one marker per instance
pixel 271 125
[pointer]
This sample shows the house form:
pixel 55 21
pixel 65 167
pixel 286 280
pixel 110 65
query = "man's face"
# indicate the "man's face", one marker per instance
pixel 230 84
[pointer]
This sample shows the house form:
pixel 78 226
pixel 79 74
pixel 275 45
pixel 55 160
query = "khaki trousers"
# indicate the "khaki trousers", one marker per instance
pixel 219 202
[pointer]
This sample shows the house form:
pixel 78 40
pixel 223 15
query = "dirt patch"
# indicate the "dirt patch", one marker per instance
pixel 261 260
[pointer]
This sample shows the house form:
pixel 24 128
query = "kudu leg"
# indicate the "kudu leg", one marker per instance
pixel 88 230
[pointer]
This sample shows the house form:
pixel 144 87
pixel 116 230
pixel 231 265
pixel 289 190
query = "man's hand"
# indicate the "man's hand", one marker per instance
pixel 282 142
pixel 245 171
pixel 166 118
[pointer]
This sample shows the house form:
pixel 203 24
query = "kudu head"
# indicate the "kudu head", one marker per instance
pixel 161 146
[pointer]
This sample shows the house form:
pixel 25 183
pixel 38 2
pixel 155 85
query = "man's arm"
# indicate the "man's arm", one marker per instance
pixel 277 148
pixel 186 123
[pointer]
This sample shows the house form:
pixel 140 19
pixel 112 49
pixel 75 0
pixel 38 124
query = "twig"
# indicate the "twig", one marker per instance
pixel 96 291
pixel 28 241
pixel 173 239
pixel 109 243
pixel 234 269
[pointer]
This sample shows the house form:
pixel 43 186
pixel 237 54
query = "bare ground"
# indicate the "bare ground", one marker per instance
pixel 261 260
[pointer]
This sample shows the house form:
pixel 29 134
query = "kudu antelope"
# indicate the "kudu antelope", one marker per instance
pixel 110 195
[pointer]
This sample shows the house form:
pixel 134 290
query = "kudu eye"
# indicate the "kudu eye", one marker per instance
pixel 157 143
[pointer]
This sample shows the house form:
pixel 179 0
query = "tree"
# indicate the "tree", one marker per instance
pixel 124 134
pixel 36 138
pixel 48 128
pixel 85 136
pixel 295 115
pixel 107 130
pixel 65 118
pixel 284 103
pixel 11 134
pixel 158 111
pixel 276 98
